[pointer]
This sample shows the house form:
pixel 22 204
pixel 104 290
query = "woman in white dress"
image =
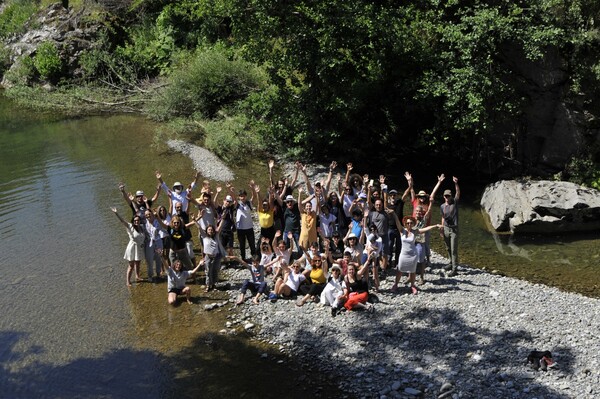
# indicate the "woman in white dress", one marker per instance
pixel 407 262
pixel 134 253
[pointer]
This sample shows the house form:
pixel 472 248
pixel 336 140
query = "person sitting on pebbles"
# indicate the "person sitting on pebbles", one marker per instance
pixel 356 286
pixel 257 285
pixel 316 275
pixel 333 291
pixel 176 278
pixel 287 287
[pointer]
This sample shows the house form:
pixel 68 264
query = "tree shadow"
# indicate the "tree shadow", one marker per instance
pixel 214 366
pixel 478 361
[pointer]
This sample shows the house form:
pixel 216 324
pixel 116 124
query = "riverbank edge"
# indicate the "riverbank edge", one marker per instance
pixel 450 340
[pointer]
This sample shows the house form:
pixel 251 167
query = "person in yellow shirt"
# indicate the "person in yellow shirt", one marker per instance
pixel 265 211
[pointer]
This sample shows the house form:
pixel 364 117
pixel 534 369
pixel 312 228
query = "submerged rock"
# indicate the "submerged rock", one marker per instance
pixel 541 206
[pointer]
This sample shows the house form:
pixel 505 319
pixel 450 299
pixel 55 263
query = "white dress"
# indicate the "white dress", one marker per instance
pixel 135 247
pixel 407 261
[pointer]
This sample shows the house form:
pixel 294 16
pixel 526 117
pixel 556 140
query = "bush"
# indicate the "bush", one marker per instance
pixel 207 83
pixel 20 73
pixel 47 61
pixel 232 138
pixel 14 16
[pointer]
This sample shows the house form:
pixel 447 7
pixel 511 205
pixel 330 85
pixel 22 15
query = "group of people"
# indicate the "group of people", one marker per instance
pixel 323 244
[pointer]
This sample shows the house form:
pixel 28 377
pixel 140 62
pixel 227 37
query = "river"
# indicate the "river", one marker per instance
pixel 71 328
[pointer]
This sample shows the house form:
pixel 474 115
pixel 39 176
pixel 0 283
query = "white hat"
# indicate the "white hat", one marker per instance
pixel 177 184
pixel 290 198
pixel 372 237
pixel 352 235
pixel 229 198
pixel 139 193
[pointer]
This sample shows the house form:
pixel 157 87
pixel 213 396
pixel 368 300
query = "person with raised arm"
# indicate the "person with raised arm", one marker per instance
pixel 134 253
pixel 176 278
pixel 407 262
pixel 177 193
pixel 449 211
pixel 257 284
pixel 356 287
pixel 266 214
pixel 308 229
pixel 243 219
pixel 138 202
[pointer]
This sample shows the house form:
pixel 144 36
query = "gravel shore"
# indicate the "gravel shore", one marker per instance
pixel 461 337
pixel 204 161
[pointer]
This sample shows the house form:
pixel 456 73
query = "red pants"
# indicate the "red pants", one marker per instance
pixel 355 298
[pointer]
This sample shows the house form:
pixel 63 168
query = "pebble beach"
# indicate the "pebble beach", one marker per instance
pixel 462 337
pixel 466 336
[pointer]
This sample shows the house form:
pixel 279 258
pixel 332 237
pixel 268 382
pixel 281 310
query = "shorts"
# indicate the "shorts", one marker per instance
pixel 177 291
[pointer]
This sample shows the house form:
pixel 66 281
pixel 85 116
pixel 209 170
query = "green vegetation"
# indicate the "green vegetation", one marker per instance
pixel 342 78
pixel 14 16
pixel 47 61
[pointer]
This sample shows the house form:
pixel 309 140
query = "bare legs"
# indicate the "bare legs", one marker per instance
pixel 134 265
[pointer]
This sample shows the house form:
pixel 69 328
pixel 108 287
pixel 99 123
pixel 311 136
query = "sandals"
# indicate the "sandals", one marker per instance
pixel 299 302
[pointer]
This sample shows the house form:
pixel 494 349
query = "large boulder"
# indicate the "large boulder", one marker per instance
pixel 541 206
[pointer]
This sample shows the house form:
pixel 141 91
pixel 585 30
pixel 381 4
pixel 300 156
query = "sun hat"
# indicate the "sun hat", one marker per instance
pixel 336 267
pixel 139 193
pixel 289 198
pixel 393 191
pixel 177 184
pixel 448 192
pixel 422 194
pixel 352 235
pixel 229 198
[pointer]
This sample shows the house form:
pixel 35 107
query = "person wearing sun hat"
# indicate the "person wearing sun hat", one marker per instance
pixel 177 193
pixel 291 220
pixel 449 211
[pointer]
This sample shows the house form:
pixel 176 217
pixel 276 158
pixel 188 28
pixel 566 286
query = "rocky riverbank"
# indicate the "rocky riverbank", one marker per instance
pixel 462 337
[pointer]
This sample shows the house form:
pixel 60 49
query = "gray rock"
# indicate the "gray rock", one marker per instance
pixel 541 206
pixel 412 391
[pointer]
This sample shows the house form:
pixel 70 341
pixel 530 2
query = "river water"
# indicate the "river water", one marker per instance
pixel 70 327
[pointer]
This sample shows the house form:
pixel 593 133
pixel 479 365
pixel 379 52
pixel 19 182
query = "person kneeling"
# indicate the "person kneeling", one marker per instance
pixel 176 282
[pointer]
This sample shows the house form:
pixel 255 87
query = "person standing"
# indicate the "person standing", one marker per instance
pixel 449 231
pixel 134 253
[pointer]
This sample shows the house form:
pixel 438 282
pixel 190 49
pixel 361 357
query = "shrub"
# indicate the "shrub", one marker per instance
pixel 15 15
pixel 206 84
pixel 20 73
pixel 232 138
pixel 47 61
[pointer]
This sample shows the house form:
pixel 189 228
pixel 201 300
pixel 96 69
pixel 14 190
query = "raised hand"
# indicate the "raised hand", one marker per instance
pixel 278 233
pixel 365 178
pixel 158 175
pixel 408 176
pixel 271 163
pixel 112 208
pixel 251 183
pixel 333 165
pixel 122 187
pixel 441 178
pixel 256 189
pixel 455 179
pixel 349 167
pixel 219 189
pixel 381 179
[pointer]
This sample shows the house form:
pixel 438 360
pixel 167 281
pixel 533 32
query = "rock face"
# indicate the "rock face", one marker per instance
pixel 70 31
pixel 541 206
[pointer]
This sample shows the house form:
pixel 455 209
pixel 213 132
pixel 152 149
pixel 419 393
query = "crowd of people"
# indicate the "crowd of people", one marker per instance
pixel 315 242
